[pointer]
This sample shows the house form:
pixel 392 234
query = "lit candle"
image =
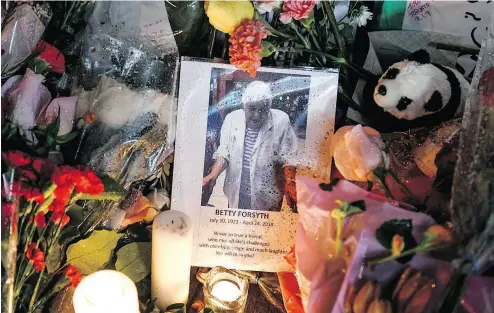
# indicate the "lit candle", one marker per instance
pixel 106 291
pixel 226 291
pixel 171 258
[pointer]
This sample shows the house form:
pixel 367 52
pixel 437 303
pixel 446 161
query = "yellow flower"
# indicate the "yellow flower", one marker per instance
pixel 225 16
pixel 438 235
pixel 397 245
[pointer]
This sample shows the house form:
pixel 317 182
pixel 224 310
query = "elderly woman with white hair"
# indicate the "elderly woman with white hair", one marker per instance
pixel 256 143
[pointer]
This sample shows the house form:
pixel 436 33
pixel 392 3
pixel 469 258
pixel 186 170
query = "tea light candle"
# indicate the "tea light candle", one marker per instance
pixel 171 258
pixel 106 291
pixel 226 291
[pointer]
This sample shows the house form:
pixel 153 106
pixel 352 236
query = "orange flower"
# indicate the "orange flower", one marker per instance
pixel 397 245
pixel 246 45
pixel 89 117
pixel 438 235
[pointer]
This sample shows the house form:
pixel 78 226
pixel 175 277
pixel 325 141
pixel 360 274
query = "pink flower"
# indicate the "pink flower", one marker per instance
pixel 27 99
pixel 296 9
pixel 49 113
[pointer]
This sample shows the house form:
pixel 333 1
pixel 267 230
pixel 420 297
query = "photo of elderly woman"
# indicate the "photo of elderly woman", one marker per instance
pixel 256 128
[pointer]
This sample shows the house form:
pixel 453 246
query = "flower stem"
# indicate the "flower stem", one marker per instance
pixel 339 226
pixel 382 182
pixel 326 6
pixel 113 196
pixel 419 248
pixel 403 187
pixel 36 289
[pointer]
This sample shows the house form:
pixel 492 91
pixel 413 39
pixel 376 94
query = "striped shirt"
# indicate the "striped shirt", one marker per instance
pixel 245 190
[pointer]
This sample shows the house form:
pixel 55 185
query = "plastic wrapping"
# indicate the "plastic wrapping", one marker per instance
pixel 129 71
pixel 315 242
pixel 24 26
pixel 9 229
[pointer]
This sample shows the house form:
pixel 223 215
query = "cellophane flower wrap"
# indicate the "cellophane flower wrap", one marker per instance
pixel 314 248
pixel 128 90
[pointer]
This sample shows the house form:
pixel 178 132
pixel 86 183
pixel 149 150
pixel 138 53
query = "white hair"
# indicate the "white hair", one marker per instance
pixel 257 91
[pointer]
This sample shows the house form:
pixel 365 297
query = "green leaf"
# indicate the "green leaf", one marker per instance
pixel 330 186
pixel 176 308
pixel 187 19
pixel 268 49
pixel 134 260
pixel 90 254
pixel 67 137
pixel 369 185
pixel 38 66
pixel 356 207
pixel 53 128
pixel 207 310
pixel 388 229
pixel 309 21
pixel 348 209
pixel 54 258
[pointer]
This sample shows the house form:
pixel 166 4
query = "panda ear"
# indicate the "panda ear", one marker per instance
pixel 421 56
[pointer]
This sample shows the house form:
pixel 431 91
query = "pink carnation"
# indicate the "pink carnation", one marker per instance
pixel 296 9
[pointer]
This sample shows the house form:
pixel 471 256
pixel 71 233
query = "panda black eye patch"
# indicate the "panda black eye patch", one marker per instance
pixel 403 103
pixel 391 73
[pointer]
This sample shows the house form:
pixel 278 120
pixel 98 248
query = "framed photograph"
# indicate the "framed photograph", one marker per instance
pixel 240 143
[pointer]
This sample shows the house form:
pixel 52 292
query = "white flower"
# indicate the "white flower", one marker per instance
pixel 357 151
pixel 361 16
pixel 264 6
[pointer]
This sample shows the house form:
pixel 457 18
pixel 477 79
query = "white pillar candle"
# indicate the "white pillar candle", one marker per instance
pixel 171 258
pixel 106 291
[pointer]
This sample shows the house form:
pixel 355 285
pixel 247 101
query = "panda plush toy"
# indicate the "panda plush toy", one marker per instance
pixel 414 93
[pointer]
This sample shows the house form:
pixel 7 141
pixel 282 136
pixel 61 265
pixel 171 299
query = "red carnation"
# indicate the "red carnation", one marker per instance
pixel 246 46
pixel 88 182
pixel 40 220
pixel 16 158
pixel 296 9
pixel 36 256
pixel 28 175
pixel 73 275
pixel 64 176
pixel 34 195
pixel 51 56
pixel 59 216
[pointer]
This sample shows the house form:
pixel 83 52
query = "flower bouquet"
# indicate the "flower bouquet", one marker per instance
pixel 38 200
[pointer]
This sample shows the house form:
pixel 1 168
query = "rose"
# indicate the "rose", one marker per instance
pixel 357 151
pixel 49 59
pixel 296 9
pixel 26 99
pixel 225 16
pixel 66 107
